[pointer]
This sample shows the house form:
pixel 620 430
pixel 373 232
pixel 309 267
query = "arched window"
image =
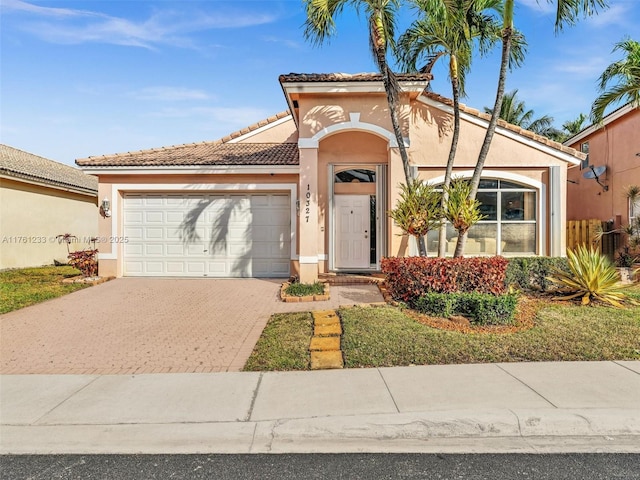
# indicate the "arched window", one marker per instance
pixel 510 224
pixel 356 175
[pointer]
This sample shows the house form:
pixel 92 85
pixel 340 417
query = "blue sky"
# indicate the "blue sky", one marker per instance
pixel 81 78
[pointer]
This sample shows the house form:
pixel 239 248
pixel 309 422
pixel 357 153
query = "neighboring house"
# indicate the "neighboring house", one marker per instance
pixel 40 199
pixel 614 148
pixel 307 191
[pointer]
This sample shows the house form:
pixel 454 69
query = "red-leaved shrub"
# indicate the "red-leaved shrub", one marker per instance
pixel 85 261
pixel 409 278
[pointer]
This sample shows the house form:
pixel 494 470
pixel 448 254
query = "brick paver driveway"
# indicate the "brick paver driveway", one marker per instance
pixel 139 325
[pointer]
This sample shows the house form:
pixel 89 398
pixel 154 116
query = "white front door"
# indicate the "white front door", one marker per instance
pixel 353 231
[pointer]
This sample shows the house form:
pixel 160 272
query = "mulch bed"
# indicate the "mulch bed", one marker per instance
pixel 528 307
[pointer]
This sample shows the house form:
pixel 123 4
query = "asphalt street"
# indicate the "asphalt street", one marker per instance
pixel 323 466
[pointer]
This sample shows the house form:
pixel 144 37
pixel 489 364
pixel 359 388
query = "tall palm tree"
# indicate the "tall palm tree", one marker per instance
pixel 567 13
pixel 381 17
pixel 514 111
pixel 452 29
pixel 625 75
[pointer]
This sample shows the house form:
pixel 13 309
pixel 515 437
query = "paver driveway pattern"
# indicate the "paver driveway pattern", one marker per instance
pixel 140 325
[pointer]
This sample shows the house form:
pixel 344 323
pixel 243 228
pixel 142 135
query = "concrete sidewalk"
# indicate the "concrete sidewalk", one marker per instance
pixel 509 407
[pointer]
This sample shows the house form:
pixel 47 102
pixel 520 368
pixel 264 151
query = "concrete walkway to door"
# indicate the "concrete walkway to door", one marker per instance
pixel 151 325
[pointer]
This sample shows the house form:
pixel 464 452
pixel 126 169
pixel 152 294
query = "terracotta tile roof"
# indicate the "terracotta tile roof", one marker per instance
pixel 22 165
pixel 348 77
pixel 206 153
pixel 215 152
pixel 509 126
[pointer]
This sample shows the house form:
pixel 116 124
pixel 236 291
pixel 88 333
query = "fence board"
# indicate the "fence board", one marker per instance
pixel 584 232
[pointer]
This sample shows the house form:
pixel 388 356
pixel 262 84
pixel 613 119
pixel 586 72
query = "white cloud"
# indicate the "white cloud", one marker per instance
pixel 170 94
pixel 166 27
pixel 20 6
pixel 237 116
pixel 590 67
pixel 616 14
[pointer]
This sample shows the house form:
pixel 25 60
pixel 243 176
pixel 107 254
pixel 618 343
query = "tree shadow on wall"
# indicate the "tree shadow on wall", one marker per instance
pixel 217 245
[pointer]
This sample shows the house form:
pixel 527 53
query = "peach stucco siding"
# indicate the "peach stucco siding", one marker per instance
pixel 283 132
pixel 614 146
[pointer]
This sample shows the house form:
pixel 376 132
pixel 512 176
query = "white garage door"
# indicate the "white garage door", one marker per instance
pixel 207 235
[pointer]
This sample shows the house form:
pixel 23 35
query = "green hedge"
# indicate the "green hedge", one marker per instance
pixel 530 273
pixel 481 308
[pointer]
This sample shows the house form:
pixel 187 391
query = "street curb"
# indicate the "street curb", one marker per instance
pixel 488 431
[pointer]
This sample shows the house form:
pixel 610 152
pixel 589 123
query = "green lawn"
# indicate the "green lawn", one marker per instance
pixel 23 287
pixel 385 336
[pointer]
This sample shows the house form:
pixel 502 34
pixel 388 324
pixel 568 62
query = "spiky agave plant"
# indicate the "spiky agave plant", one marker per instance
pixel 591 277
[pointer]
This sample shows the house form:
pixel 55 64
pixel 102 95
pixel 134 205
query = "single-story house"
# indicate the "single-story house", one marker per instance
pixel 307 191
pixel 597 186
pixel 39 200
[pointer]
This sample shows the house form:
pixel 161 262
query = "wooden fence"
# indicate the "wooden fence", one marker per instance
pixel 585 232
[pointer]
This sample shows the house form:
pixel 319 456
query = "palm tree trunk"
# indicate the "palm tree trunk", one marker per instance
pixel 442 237
pixel 391 89
pixel 507 34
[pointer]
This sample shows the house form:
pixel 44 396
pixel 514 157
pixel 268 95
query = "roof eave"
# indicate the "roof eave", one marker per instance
pixel 613 116
pixel 185 169
pixel 44 182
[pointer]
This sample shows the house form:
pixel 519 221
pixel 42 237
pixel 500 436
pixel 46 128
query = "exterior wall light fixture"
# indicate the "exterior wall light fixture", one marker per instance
pixel 105 207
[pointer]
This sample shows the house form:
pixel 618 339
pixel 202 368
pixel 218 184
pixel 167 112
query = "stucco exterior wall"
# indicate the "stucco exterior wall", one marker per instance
pixel 431 131
pixel 284 132
pixel 318 112
pixel 615 146
pixel 31 216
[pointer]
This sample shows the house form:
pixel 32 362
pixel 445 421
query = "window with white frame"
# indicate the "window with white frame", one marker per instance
pixel 634 209
pixel 510 224
pixel 584 148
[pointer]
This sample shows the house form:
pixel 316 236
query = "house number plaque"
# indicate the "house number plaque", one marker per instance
pixel 307 203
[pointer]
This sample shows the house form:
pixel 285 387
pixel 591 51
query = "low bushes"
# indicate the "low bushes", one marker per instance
pixel 409 278
pixel 532 273
pixel 481 308
pixel 85 261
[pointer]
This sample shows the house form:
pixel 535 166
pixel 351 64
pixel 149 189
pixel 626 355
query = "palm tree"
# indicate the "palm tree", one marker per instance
pixel 573 127
pixel 514 111
pixel 418 209
pixel 452 29
pixel 381 17
pixel 625 74
pixel 567 12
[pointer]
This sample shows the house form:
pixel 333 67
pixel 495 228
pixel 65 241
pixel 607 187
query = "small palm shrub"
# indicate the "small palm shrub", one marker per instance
pixel 591 277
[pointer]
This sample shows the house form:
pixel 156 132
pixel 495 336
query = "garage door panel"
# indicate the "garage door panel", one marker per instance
pixel 133 218
pixel 153 200
pixel 133 249
pixel 153 249
pixel 154 233
pixel 174 218
pixel 154 217
pixel 175 250
pixel 174 267
pixel 234 235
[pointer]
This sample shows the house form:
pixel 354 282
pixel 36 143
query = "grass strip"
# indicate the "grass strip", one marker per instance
pixel 22 287
pixel 284 344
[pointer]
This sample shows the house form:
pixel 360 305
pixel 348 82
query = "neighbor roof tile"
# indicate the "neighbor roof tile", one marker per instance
pixel 19 164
